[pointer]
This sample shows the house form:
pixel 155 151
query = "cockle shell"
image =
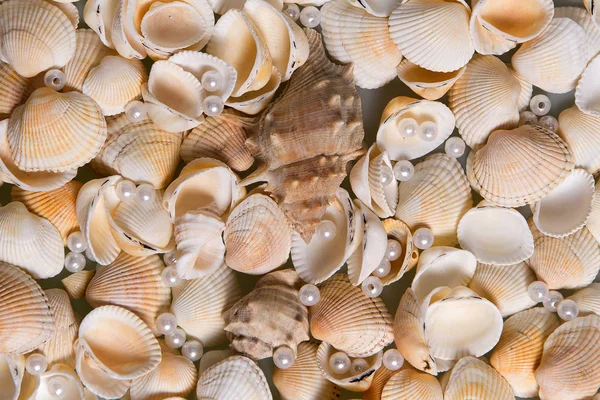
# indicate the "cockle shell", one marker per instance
pixel 418 208
pixel 257 333
pixel 72 389
pixel 96 379
pixel 430 85
pixel 98 15
pixel 294 141
pixel 377 8
pixel 526 90
pixel 380 378
pixel 349 320
pixel 59 349
pixel 580 133
pixel 255 101
pixel 584 19
pixel 474 379
pixel 399 231
pixel 14 90
pixel 588 299
pixel 409 384
pixel 586 96
pixel 592 7
pixel 76 284
pixel 70 10
pixel 35 36
pixel 12 370
pixel 213 357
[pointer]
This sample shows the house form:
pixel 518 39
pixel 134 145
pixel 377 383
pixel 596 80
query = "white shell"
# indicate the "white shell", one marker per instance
pixel 95 379
pixel 586 94
pixel 430 85
pixel 588 299
pixel 583 18
pixel 12 370
pixel 73 390
pixel 581 133
pixel 255 101
pixel 472 378
pixel 592 7
pixel 377 7
pixel 593 223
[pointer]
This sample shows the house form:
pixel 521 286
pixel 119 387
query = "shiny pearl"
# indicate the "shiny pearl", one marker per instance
pixel 567 310
pixel 57 386
pixel 540 105
pixel 428 131
pixel 170 278
pixel 292 10
pixel 393 250
pixel 74 262
pixel 549 122
pixel 145 192
pixel 455 147
pixel 36 364
pixel 193 350
pixel 392 359
pixel 166 323
pixel 404 170
pixel 283 357
pixel 212 81
pixel 326 230
pixel 213 106
pixel 339 363
pixel 171 257
pixel 407 127
pixel 310 17
pixel 383 269
pixel 175 339
pixel 126 190
pixel 372 286
pixel 136 111
pixel 387 176
pixel 309 295
pixel 537 291
pixel 527 118
pixel 551 300
pixel 55 79
pixel 423 238
pixel 358 366
pixel 76 242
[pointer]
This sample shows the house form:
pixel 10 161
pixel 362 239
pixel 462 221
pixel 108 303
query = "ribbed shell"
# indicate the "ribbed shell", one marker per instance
pixel 13 371
pixel 59 349
pixel 581 133
pixel 409 384
pixel 586 94
pixel 430 85
pixel 475 380
pixel 380 378
pixel 593 223
pixel 14 90
pixel 256 101
pixel 399 231
pixel 89 51
pixel 588 299
pixel 76 284
pixel 583 18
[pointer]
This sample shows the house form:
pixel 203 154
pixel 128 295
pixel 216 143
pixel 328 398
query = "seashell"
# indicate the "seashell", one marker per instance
pixel 236 377
pixel 430 85
pixel 380 378
pixel 550 61
pixel 72 119
pixel 36 36
pixel 59 349
pixel 352 35
pixel 568 369
pixel 350 321
pixel 398 230
pixel 14 90
pixel 484 99
pixel 408 384
pixel 72 389
pixel 256 101
pixel 29 320
pixel 586 96
pixel 377 8
pixel 592 34
pixel 592 7
pixel 474 379
pixel 30 242
pixel 519 351
pixel 304 380
pixel 417 207
pixel 399 147
pixel 133 283
pixel 520 166
pixel 69 9
pixel 565 263
pixel 258 334
pixel 567 208
pixel 588 299
pixel 356 382
pixel 76 284
pixel 580 133
pixel 526 90
pixel 593 223
pixel 99 15
pixel 442 266
pixel 221 137
pixel 495 235
pixel 12 370
pixel 213 357
pixel 257 236
pixel 304 175
pixel 95 379
pixel 199 305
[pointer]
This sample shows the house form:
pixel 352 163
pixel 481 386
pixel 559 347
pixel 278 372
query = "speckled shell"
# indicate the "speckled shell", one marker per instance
pixel 76 284
pixel 409 384
pixel 59 349
pixel 14 90
pixel 472 378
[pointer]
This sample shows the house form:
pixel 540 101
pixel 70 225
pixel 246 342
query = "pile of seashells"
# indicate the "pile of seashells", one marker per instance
pixel 267 117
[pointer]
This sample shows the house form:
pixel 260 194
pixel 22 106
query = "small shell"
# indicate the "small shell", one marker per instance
pixel 580 132
pixel 59 349
pixel 408 384
pixel 356 382
pixel 99 16
pixel 586 95
pixel 427 84
pixel 592 7
pixel 399 231
pixel 588 299
pixel 14 90
pixel 12 370
pixel 583 18
pixel 76 284
pixel 95 379
pixel 474 379
pixel 256 101
pixel 72 389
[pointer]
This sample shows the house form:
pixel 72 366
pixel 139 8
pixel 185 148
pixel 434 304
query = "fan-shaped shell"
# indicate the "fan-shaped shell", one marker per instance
pixel 14 90
pixel 350 380
pixel 586 96
pixel 380 378
pixel 12 370
pixel 76 284
pixel 430 85
pixel 95 379
pixel 588 299
pixel 474 379
pixel 408 384
pixel 399 231
pixel 526 90
pixel 580 132
pixel 592 33
pixel 59 349
pixel 213 357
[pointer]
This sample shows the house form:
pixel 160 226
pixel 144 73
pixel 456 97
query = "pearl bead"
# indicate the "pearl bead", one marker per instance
pixel 567 310
pixel 387 176
pixel 540 105
pixel 193 350
pixel 310 17
pixel 372 286
pixel 309 295
pixel 292 10
pixel 166 323
pixel 537 291
pixel 145 192
pixel 283 357
pixel 455 147
pixel 136 111
pixel 326 230
pixel 358 366
pixel 57 386
pixel 393 359
pixel 551 300
pixel 527 118
pixel 383 269
pixel 393 250
pixel 126 190
pixel 423 238
pixel 428 131
pixel 76 242
pixel 74 262
pixel 55 79
pixel 170 277
pixel 212 81
pixel 170 258
pixel 407 127
pixel 213 106
pixel 36 364
pixel 339 363
pixel 175 339
pixel 404 170
pixel 549 122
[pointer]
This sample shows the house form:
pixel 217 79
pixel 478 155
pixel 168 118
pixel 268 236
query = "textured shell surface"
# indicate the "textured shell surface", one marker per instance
pixel 76 284
pixel 472 378
pixel 14 90
pixel 59 349
pixel 409 384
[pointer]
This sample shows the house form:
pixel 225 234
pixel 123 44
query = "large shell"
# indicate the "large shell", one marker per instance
pixel 526 90
pixel 580 132
pixel 76 284
pixel 399 231
pixel 89 51
pixel 592 33
pixel 14 90
pixel 72 389
pixel 303 147
pixel 586 96
pixel 12 370
pixel 474 379
pixel 409 384
pixel 588 299
pixel 430 85
pixel 59 349
pixel 349 320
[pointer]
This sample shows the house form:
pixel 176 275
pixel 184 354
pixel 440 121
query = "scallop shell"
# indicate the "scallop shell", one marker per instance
pixel 356 382
pixel 495 235
pixel 72 389
pixel 399 231
pixel 592 33
pixel 565 263
pixel 586 96
pixel 304 380
pixel 408 384
pixel 441 213
pixel 199 305
pixel 213 357
pixel 257 236
pixel 76 284
pixel 14 90
pixel 349 320
pixel 380 378
pixel 550 61
pixel 474 379
pixel 433 34
pixel 258 334
pixel 95 379
pixel 12 370
pixel 569 368
pixel 430 85
pixel 352 35
pixel 59 349
pixel 580 132
pixel 520 166
pixel 256 101
pixel 526 90
pixel 588 299
pixel 377 8
pixel 36 36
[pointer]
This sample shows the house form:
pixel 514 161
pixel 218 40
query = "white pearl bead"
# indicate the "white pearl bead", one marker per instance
pixel 537 291
pixel 372 286
pixel 567 310
pixel 283 357
pixel 549 122
pixel 551 300
pixel 540 105
pixel 387 176
pixel 145 192
pixel 213 106
pixel 166 323
pixel 76 242
pixel 309 295
pixel 170 258
pixel 358 366
pixel 57 386
pixel 393 250
pixel 175 339
pixel 212 81
pixel 55 79
pixel 310 17
pixel 423 238
pixel 393 359
pixel 170 277
pixel 527 118
pixel 326 229
pixel 36 364
pixel 383 269
pixel 193 350
pixel 455 147
pixel 74 262
pixel 428 131
pixel 292 10
pixel 126 190
pixel 339 363
pixel 136 111
pixel 404 170
pixel 407 127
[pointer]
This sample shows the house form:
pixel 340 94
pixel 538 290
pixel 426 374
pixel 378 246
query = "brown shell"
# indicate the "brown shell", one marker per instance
pixel 268 317
pixel 307 136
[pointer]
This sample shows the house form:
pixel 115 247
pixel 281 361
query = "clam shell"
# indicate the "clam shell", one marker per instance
pixel 59 349
pixel 377 8
pixel 593 223
pixel 14 90
pixel 12 370
pixel 99 15
pixel 526 90
pixel 408 384
pixel 72 390
pixel 356 382
pixel 89 51
pixel 167 118
pixel 349 320
pixel 588 299
pixel 474 379
pixel 580 132
pixel 76 284
pixel 586 96
pixel 36 36
pixel 399 231
pixel 213 357
pixel 592 7
pixel 430 85
pixel 380 378
pixel 417 207
pixel 256 101
pixel 584 19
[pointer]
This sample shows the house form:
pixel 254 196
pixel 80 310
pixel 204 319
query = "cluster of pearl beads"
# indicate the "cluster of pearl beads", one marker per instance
pixel 540 105
pixel 166 324
pixel 553 300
